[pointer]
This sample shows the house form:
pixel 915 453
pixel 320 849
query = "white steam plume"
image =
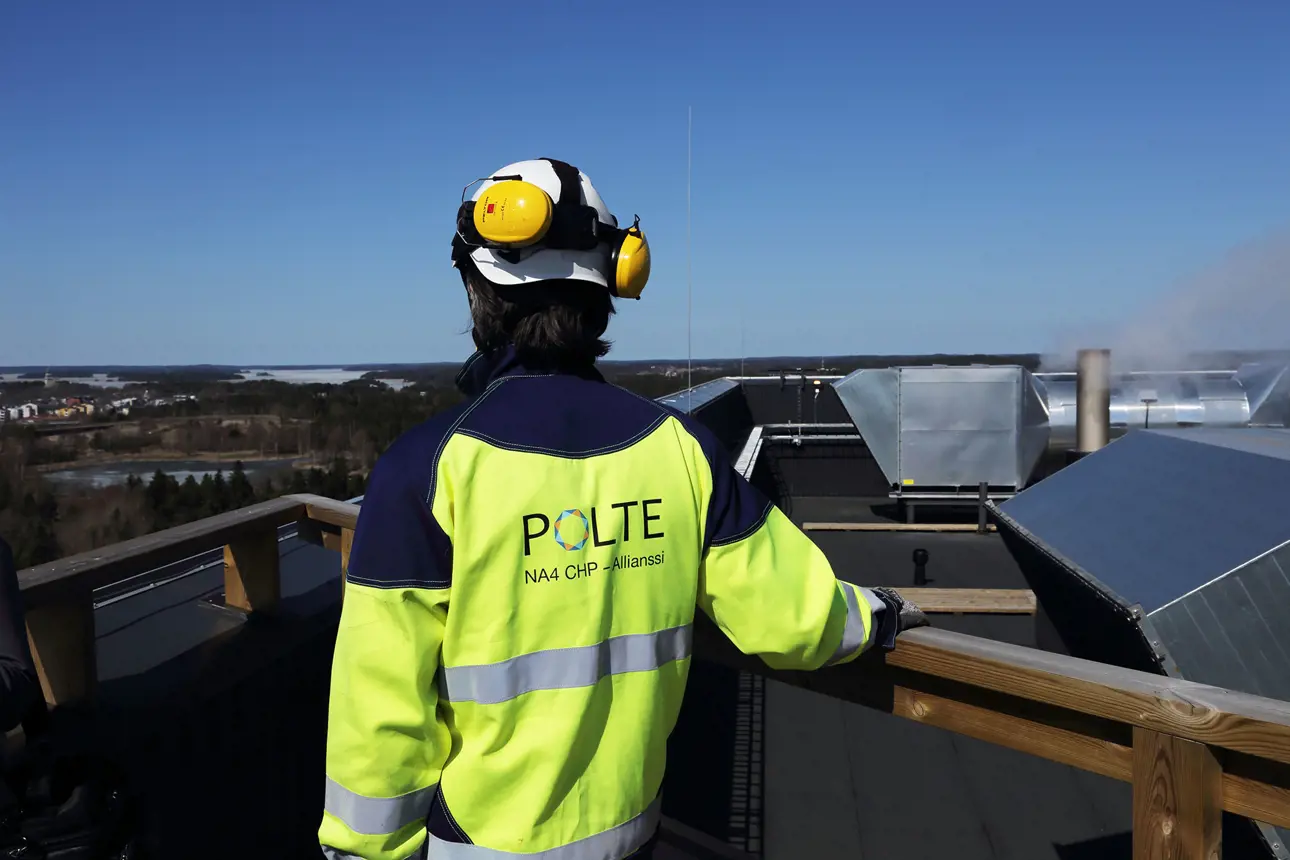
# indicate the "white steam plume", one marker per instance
pixel 1242 303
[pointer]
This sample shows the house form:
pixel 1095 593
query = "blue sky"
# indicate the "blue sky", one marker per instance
pixel 246 181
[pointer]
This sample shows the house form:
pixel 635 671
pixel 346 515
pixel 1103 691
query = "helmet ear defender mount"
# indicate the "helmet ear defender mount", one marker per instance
pixel 512 215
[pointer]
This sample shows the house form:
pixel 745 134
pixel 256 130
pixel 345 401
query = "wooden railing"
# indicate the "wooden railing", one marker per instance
pixel 1190 750
pixel 59 596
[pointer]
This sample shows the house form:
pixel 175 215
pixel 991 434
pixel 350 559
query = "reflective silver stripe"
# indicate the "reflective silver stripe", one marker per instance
pixel 375 816
pixel 853 638
pixel 563 668
pixel 330 853
pixel 612 844
pixel 876 605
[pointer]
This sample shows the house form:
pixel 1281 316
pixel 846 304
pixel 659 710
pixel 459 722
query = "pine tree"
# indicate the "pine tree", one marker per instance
pixel 241 493
pixel 219 501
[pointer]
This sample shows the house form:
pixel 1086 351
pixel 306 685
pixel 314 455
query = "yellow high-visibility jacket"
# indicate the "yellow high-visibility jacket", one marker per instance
pixel 516 629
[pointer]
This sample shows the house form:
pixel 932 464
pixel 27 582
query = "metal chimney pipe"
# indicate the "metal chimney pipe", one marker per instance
pixel 1092 399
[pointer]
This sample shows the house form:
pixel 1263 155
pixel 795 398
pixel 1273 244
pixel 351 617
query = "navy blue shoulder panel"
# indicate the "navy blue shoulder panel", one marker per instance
pixel 567 416
pixel 736 509
pixel 398 543
pixel 564 416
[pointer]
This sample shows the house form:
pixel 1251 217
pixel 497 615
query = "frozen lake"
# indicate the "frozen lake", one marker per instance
pixel 98 380
pixel 111 474
pixel 300 376
pixel 313 376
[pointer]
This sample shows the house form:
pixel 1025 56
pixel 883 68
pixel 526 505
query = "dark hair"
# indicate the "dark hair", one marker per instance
pixel 551 324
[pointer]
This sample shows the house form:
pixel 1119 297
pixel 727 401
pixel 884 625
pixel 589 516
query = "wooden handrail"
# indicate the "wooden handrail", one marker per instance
pixel 1089 715
pixel 330 523
pixel 329 511
pixel 58 597
pixel 1189 749
pixel 82 573
pixel 1186 709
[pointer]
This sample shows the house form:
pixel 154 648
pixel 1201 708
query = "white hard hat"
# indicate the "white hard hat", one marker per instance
pixel 540 263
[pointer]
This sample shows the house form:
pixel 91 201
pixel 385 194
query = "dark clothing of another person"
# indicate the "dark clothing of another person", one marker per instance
pixel 19 687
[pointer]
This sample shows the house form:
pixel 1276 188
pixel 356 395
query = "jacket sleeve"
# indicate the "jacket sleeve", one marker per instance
pixel 19 687
pixel 768 586
pixel 385 745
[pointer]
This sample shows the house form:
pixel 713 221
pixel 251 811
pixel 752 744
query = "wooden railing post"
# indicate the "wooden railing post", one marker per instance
pixel 346 545
pixel 1177 798
pixel 330 523
pixel 252 572
pixel 61 636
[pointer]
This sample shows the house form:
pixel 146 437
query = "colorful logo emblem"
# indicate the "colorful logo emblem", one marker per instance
pixel 571 529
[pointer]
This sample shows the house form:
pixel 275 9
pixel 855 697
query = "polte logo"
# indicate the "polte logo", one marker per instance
pixel 572 529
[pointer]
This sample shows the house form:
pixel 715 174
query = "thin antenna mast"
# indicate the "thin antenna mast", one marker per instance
pixel 689 287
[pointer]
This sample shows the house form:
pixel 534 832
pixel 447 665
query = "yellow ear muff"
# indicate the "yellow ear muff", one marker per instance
pixel 513 213
pixel 631 264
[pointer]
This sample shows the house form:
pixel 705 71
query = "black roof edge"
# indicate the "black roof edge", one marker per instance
pixel 1101 589
pixel 1130 612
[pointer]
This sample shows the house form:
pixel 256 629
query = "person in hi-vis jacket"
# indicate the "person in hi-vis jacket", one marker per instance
pixel 526 569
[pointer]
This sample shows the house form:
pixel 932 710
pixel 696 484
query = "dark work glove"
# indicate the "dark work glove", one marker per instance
pixel 900 615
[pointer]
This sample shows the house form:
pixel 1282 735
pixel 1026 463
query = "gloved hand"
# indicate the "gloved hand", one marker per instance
pixel 900 615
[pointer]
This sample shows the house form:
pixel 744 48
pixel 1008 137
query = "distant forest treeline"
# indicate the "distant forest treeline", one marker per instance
pixel 345 425
pixel 43 525
pixel 436 372
pixel 268 419
pixel 182 379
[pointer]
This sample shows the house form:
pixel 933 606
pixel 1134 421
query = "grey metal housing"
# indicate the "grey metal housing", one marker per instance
pixel 938 427
pixel 958 426
pixel 1255 394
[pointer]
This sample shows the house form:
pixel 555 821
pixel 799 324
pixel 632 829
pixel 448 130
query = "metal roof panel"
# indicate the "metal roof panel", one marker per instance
pixel 1158 514
pixel 1271 442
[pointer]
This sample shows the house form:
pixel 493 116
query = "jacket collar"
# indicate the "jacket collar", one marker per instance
pixel 484 368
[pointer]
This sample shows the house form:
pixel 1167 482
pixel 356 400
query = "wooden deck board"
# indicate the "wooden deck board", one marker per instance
pixel 994 601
